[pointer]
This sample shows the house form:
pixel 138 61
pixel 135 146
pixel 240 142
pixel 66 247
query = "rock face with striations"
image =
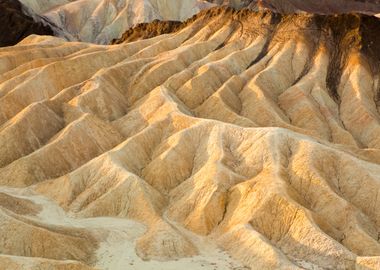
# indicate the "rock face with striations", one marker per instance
pixel 254 133
pixel 15 24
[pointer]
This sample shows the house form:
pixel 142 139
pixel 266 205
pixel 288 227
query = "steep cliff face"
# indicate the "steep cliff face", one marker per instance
pixel 254 133
pixel 15 24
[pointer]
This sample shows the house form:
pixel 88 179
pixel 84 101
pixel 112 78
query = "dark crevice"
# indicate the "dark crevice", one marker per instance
pixel 341 38
pixel 315 45
pixel 274 21
pixel 234 26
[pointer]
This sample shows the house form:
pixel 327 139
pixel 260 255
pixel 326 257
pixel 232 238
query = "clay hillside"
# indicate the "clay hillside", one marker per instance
pixel 238 139
pixel 101 21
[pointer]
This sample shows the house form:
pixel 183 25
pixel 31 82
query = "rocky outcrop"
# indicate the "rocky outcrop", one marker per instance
pixel 255 132
pixel 15 24
pixel 310 6
pixel 324 6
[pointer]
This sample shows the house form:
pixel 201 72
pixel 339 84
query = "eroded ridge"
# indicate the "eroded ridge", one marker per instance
pixel 101 21
pixel 254 131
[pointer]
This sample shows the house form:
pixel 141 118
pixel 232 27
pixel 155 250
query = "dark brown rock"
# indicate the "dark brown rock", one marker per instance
pixel 310 6
pixel 15 24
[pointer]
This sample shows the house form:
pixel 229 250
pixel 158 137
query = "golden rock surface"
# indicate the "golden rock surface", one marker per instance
pixel 224 133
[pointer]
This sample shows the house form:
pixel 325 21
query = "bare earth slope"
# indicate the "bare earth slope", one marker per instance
pixel 252 133
pixel 101 21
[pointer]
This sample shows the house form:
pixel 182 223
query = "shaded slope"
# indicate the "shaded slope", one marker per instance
pixel 324 6
pixel 231 130
pixel 16 25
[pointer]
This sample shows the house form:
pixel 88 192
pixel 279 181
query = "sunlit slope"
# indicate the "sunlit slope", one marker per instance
pixel 256 132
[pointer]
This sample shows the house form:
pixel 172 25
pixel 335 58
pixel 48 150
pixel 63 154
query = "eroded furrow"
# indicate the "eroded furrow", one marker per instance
pixel 229 129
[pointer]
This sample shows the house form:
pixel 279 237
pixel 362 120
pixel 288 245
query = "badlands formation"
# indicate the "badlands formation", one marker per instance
pixel 237 140
pixel 101 21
